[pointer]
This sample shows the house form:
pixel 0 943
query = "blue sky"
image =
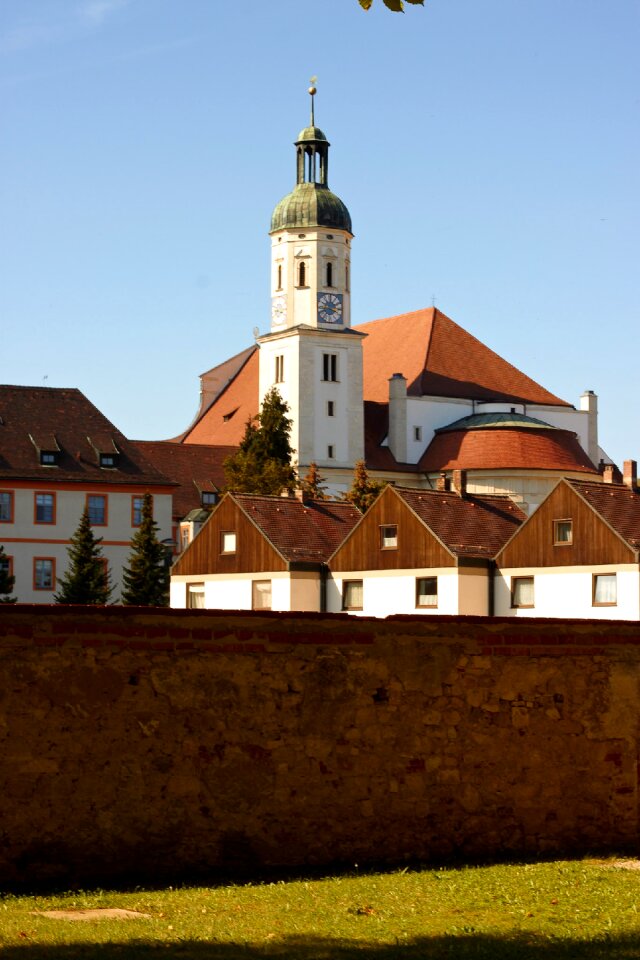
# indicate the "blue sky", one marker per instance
pixel 488 153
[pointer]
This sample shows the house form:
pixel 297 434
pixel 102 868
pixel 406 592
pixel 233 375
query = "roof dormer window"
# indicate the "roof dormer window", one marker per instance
pixel 49 458
pixel 108 460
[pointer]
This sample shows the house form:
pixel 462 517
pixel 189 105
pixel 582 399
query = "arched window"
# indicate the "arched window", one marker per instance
pixel 346 277
pixel 329 274
pixel 302 274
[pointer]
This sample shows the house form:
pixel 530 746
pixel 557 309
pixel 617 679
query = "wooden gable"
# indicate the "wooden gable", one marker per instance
pixel 592 540
pixel 253 553
pixel 417 547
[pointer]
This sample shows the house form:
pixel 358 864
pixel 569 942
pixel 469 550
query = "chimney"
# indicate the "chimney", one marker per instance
pixel 460 482
pixel 607 472
pixel 397 438
pixel 630 473
pixel 442 483
pixel 589 403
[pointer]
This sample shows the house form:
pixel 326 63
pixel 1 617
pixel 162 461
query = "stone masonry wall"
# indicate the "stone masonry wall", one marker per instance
pixel 163 744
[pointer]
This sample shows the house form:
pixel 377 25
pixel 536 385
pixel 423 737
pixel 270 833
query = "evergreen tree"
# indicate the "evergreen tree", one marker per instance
pixel 87 578
pixel 146 578
pixel 313 485
pixel 6 580
pixel 263 462
pixel 363 490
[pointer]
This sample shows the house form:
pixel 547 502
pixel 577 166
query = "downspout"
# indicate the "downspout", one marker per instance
pixel 324 572
pixel 492 588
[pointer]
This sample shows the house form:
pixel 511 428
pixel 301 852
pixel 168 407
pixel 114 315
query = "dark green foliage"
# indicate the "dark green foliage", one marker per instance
pixel 396 5
pixel 87 578
pixel 146 578
pixel 313 485
pixel 6 580
pixel 263 462
pixel 363 490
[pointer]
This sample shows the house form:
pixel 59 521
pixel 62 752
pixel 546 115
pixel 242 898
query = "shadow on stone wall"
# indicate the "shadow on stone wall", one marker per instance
pixel 478 946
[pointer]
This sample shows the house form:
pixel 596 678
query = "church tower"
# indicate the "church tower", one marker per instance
pixel 311 354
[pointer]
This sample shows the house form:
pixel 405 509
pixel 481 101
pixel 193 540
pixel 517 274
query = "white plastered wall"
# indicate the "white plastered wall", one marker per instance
pixel 567 592
pixel 386 592
pixel 232 591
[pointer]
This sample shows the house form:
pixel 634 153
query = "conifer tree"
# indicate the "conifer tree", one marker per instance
pixel 263 462
pixel 313 485
pixel 363 490
pixel 87 578
pixel 6 580
pixel 146 578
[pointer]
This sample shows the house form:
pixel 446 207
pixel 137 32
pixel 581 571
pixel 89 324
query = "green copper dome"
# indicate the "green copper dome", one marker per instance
pixel 311 205
pixel 311 133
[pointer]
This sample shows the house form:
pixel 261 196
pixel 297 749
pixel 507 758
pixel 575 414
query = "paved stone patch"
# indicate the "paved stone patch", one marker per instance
pixel 106 913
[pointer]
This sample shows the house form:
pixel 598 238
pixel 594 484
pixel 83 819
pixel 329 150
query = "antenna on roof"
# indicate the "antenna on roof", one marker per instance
pixel 45 378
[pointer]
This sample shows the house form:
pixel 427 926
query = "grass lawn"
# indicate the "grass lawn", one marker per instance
pixel 565 909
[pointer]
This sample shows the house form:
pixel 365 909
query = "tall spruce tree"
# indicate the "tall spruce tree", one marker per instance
pixel 6 579
pixel 262 464
pixel 146 578
pixel 313 485
pixel 87 578
pixel 363 490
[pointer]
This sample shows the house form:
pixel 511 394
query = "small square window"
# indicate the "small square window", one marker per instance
pixel 107 460
pixel 522 592
pixel 6 506
pixel 195 596
pixel 261 595
pixel 562 532
pixel 605 590
pixel 43 573
pixel 48 458
pixel 389 537
pixel 227 541
pixel 426 591
pixel 45 508
pixel 352 594
pixel 97 509
pixel 208 498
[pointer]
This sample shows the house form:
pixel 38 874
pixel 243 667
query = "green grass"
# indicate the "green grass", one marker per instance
pixel 583 909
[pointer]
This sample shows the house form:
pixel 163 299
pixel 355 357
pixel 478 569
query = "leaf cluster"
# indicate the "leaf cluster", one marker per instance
pixel 86 579
pixel 396 5
pixel 262 464
pixel 146 577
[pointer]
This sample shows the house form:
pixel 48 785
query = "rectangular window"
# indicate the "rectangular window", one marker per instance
pixel 185 536
pixel 48 458
pixel 227 541
pixel 417 434
pixel 136 511
pixel 97 509
pixel 6 506
pixel 331 408
pixel 389 537
pixel 330 367
pixel 107 460
pixel 426 591
pixel 352 594
pixel 261 595
pixel 45 504
pixel 330 452
pixel 605 590
pixel 522 592
pixel 562 532
pixel 208 498
pixel 195 596
pixel 43 573
pixel 280 369
pixel 6 565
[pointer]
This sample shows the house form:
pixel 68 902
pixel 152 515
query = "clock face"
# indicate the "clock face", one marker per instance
pixel 278 310
pixel 330 307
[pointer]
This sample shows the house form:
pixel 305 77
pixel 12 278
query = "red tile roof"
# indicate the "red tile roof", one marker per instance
pixel 36 418
pixel 194 467
pixel 303 532
pixel 225 419
pixel 472 526
pixel 440 359
pixel 519 449
pixel 616 503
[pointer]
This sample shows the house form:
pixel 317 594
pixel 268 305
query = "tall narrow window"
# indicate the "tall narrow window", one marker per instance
pixel 331 409
pixel 6 506
pixel 97 509
pixel 605 590
pixel 279 276
pixel 329 275
pixel 522 592
pixel 45 508
pixel 302 274
pixel 331 452
pixel 280 369
pixel 346 277
pixel 426 591
pixel 261 595
pixel 136 511
pixel 417 434
pixel 330 367
pixel 43 573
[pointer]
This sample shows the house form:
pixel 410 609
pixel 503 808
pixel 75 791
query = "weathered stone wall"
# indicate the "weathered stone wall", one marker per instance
pixel 160 743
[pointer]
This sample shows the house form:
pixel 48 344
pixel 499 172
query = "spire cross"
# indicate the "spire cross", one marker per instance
pixel 312 91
